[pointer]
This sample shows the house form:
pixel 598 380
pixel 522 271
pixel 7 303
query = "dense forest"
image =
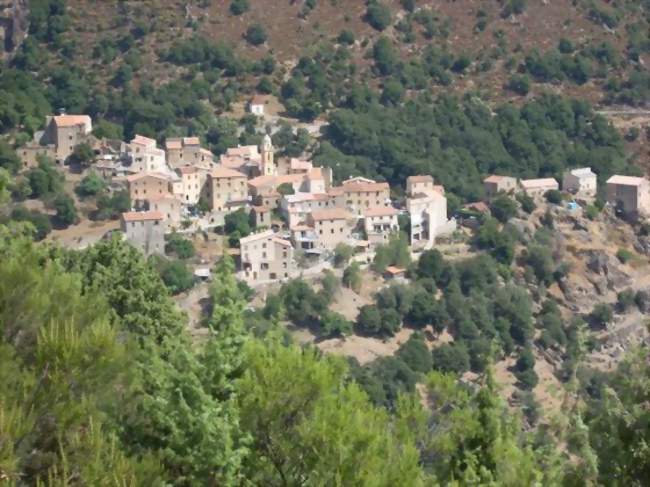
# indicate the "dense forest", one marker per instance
pixel 102 385
pixel 101 382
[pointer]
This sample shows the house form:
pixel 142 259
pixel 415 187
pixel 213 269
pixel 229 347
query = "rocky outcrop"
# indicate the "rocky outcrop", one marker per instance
pixel 14 15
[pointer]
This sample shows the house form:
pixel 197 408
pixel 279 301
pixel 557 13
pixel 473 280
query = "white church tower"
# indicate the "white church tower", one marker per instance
pixel 268 168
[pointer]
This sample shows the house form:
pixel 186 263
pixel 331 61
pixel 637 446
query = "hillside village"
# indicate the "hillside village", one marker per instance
pixel 295 207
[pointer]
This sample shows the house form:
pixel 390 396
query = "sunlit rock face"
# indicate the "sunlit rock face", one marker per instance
pixel 13 25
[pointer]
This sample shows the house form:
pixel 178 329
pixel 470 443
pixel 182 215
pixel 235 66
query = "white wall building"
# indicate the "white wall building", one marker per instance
pixel 581 182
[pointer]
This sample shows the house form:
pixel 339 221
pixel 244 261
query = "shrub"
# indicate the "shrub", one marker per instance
pixel 624 255
pixel 40 221
pixel 182 247
pixel 519 84
pixel 554 196
pixel 91 185
pixel 378 15
pixel 335 324
pixel 352 277
pixel 601 315
pixel 238 7
pixel 592 212
pixel 527 202
pixel 342 254
pixel 110 207
pixel 503 208
pixel 66 213
pixel 451 357
pixel 256 35
pixel 346 37
pixel 416 354
pixel 176 276
pixel 625 300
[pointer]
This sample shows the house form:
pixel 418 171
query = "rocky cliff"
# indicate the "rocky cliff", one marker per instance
pixel 13 25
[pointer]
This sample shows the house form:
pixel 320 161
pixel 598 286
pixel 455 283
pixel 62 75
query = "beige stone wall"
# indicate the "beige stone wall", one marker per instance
pixel 223 190
pixel 332 232
pixel 147 187
pixel 147 235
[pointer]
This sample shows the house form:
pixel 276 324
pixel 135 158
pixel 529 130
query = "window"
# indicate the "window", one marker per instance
pixel 332 230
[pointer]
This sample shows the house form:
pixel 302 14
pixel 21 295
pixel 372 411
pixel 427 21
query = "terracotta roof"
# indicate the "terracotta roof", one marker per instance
pixel 539 183
pixel 380 211
pixel 136 216
pixel 191 141
pixel 315 173
pixel 275 180
pixel 71 120
pixel 282 241
pixel 420 179
pixel 300 164
pixel 243 150
pixel 625 180
pixel 173 143
pixel 206 152
pixel 187 169
pixel 331 214
pixel 300 197
pixel 393 270
pixel 225 172
pixel 256 236
pixel 364 187
pixel 300 227
pixel 479 206
pixel 142 140
pixel 140 175
pixel 233 162
pixel 494 178
pixel 357 179
pixel 162 197
pixel 335 191
pixel 439 188
pixel 261 209
pixel 258 100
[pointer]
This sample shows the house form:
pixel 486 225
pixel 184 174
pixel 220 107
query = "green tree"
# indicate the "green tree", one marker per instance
pixel 180 246
pixel 309 425
pixel 176 275
pixel 342 254
pixel 352 277
pixel 237 225
pixel 378 15
pixel 82 154
pixel 91 185
pixel 66 212
pixel 238 7
pixel 40 221
pixel 452 357
pixel 503 208
pixel 256 34
pixel 416 354
pixel 8 158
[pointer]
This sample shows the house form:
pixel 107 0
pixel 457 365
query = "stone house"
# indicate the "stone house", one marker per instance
pixel 261 216
pixel 331 226
pixel 145 230
pixel 266 256
pixel 581 182
pixel 362 193
pixel 629 195
pixel 419 184
pixel 226 190
pixel 170 207
pixel 295 207
pixel 496 184
pixel 256 105
pixel 145 156
pixel 191 184
pixel 65 132
pixel 379 223
pixel 536 188
pixel 32 152
pixel 428 218
pixel 187 151
pixel 145 185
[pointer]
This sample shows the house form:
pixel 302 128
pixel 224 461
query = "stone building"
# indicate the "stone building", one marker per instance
pixel 629 195
pixel 581 182
pixel 266 256
pixel 145 185
pixel 226 190
pixel 495 184
pixel 331 226
pixel 187 151
pixel 145 230
pixel 379 223
pixel 536 188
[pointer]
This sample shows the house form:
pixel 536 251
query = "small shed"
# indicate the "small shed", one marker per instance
pixel 394 272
